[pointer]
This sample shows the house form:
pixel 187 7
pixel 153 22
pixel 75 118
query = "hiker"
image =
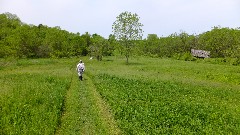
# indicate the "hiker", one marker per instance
pixel 80 69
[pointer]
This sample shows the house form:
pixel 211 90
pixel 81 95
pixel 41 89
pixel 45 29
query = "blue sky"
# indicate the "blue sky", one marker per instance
pixel 161 17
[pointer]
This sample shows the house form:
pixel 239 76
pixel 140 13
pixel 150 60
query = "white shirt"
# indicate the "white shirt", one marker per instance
pixel 80 66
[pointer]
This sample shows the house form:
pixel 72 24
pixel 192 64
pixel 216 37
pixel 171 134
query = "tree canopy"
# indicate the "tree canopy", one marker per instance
pixel 127 29
pixel 21 40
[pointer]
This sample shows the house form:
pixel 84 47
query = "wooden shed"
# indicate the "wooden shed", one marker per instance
pixel 200 53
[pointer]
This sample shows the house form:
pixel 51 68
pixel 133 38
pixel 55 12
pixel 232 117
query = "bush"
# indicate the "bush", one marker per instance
pixel 188 57
pixel 185 56
pixel 215 60
pixel 177 56
pixel 234 61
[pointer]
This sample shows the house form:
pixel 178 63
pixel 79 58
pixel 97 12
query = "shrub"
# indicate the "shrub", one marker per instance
pixel 234 61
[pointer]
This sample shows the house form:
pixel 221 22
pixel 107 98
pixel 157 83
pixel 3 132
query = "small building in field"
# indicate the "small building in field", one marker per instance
pixel 200 53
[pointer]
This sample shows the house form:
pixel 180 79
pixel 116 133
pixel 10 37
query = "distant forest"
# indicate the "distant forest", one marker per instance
pixel 21 40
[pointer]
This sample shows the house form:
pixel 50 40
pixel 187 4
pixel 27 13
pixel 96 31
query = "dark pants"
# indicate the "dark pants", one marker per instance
pixel 80 78
pixel 80 73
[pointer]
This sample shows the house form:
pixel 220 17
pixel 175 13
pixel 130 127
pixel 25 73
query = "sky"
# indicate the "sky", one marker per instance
pixel 161 17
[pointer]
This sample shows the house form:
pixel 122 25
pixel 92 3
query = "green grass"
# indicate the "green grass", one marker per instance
pixel 31 104
pixel 85 112
pixel 152 107
pixel 31 97
pixel 44 96
pixel 147 96
pixel 165 96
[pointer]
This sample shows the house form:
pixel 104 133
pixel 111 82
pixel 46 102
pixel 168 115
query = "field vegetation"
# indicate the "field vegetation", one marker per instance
pixel 32 96
pixel 163 96
pixel 160 89
pixel 146 96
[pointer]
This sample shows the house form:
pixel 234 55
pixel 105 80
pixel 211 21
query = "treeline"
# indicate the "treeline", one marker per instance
pixel 221 42
pixel 29 41
pixel 21 40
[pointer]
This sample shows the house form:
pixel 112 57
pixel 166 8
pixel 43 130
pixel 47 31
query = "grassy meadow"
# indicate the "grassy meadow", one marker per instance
pixel 32 96
pixel 147 96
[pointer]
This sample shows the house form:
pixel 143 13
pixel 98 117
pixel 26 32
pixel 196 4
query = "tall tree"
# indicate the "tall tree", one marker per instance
pixel 9 23
pixel 97 46
pixel 127 29
pixel 152 44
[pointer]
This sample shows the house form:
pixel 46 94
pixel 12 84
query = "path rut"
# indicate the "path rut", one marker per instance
pixel 85 112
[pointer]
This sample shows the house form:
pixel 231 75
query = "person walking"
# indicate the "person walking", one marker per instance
pixel 80 69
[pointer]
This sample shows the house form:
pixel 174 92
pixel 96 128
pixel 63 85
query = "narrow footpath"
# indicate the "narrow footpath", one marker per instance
pixel 85 112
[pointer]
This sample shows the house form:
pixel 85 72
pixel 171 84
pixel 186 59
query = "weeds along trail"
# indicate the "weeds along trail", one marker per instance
pixel 150 96
pixel 45 97
pixel 85 112
pixel 167 107
pixel 31 102
pixel 105 115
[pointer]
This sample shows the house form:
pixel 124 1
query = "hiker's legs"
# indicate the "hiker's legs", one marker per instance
pixel 80 75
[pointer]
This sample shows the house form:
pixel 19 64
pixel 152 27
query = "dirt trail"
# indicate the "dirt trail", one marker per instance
pixel 85 112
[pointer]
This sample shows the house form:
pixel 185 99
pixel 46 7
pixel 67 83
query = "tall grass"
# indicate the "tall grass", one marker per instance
pixel 31 100
pixel 153 107
pixel 147 96
pixel 164 96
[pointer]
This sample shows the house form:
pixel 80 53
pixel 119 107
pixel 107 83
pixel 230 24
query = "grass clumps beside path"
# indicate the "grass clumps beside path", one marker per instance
pixel 165 96
pixel 44 96
pixel 32 96
pixel 152 107
pixel 147 96
pixel 30 103
pixel 86 112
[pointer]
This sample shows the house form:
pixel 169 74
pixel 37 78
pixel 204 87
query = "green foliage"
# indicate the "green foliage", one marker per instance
pixel 186 57
pixel 43 96
pixel 29 41
pixel 235 61
pixel 99 47
pixel 152 44
pixel 31 103
pixel 32 95
pixel 21 40
pixel 228 61
pixel 8 41
pixel 81 114
pixel 147 96
pixel 166 96
pixel 127 29
pixel 222 42
pixel 148 107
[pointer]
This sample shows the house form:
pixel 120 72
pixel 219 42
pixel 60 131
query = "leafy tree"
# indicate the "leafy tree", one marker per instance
pixel 44 49
pixel 184 42
pixel 110 46
pixel 220 41
pixel 116 48
pixel 96 48
pixel 127 29
pixel 18 39
pixel 86 43
pixel 152 46
pixel 8 39
pixel 76 42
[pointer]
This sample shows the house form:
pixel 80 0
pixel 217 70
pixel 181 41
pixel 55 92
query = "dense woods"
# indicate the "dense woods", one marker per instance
pixel 21 40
